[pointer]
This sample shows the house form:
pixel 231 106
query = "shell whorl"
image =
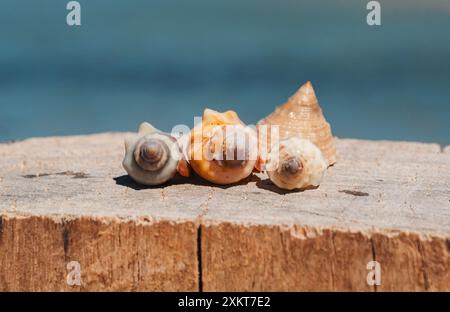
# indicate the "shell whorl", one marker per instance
pixel 291 166
pixel 302 116
pixel 295 164
pixel 151 154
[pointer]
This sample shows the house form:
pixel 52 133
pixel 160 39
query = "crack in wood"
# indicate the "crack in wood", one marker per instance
pixel 75 175
pixel 199 258
pixel 424 271
pixel 354 193
pixel 374 258
pixel 65 236
pixel 205 206
pixel 333 270
pixel 1 228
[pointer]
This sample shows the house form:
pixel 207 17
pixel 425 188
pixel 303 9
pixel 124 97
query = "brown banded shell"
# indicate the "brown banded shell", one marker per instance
pixel 301 116
pixel 152 156
pixel 151 153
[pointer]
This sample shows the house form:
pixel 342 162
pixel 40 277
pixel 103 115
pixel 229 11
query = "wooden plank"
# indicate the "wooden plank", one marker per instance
pixel 282 258
pixel 407 192
pixel 68 199
pixel 114 255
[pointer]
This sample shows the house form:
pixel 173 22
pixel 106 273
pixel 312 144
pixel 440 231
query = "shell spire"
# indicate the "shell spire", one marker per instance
pixel 302 116
pixel 305 96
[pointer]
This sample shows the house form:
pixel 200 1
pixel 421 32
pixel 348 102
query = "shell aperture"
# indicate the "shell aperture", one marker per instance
pixel 296 164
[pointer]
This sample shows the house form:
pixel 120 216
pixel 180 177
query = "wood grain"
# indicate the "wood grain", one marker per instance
pixel 68 199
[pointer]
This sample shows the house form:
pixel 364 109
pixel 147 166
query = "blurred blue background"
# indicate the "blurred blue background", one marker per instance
pixel 164 61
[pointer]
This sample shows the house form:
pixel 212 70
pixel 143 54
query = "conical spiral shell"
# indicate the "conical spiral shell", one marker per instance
pixel 302 116
pixel 222 149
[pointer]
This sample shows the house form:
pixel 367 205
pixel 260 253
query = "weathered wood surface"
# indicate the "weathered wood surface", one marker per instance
pixel 68 199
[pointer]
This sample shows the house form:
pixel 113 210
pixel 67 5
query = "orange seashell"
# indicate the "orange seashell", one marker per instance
pixel 300 116
pixel 222 149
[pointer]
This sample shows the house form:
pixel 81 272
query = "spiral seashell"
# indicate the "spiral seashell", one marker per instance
pixel 151 157
pixel 297 164
pixel 151 154
pixel 222 149
pixel 302 116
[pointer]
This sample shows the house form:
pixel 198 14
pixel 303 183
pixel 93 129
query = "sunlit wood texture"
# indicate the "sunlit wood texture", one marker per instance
pixel 68 199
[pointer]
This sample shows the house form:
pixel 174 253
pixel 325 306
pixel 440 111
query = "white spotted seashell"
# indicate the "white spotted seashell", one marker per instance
pixel 297 164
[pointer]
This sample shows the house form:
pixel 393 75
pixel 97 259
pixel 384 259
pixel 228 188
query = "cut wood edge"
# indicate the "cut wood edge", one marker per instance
pixel 129 254
pixel 112 254
pixel 301 258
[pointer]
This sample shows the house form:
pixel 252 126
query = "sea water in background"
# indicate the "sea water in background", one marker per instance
pixel 164 61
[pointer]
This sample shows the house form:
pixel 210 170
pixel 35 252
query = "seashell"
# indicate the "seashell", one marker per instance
pixel 222 149
pixel 301 115
pixel 297 164
pixel 152 157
